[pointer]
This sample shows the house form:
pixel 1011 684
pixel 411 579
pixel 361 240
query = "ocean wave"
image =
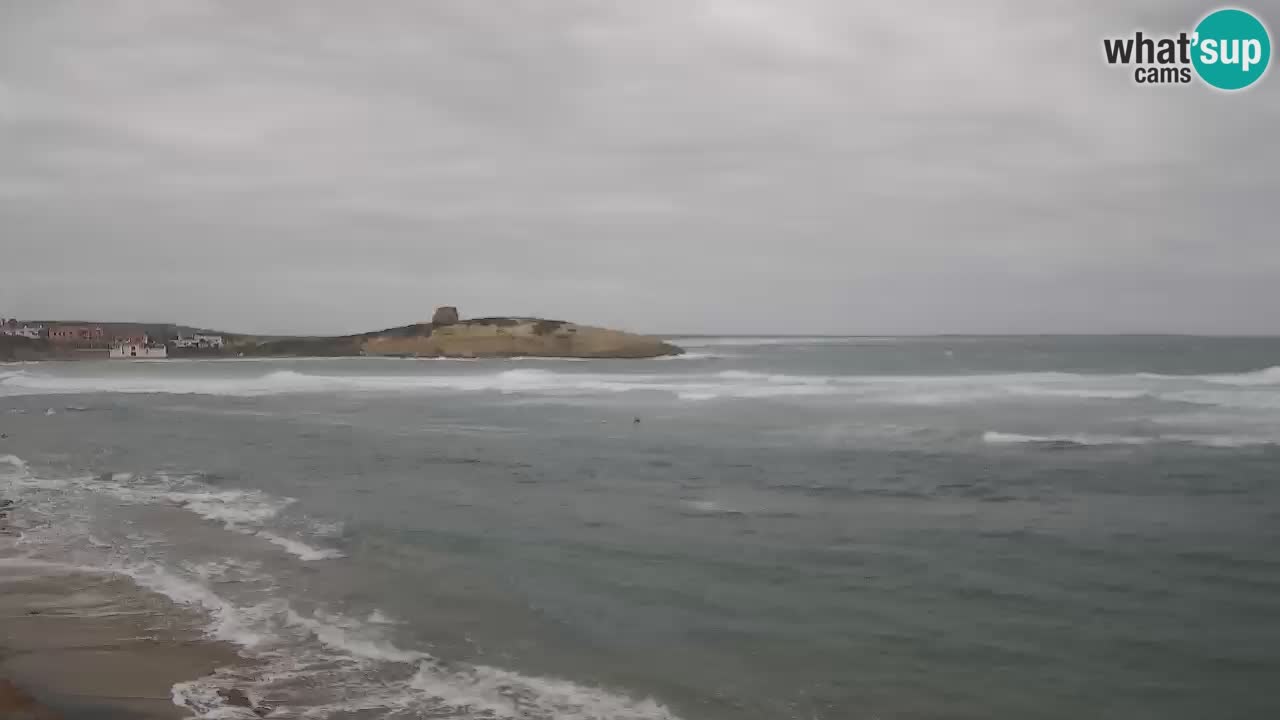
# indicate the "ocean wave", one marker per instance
pixel 325 664
pixel 234 509
pixel 1084 440
pixel 1250 390
pixel 1078 393
pixel 1265 376
pixel 228 622
pixel 485 691
pixel 315 662
pixel 299 549
pixel 709 507
pixel 1253 399
pixel 1003 438
pixel 321 664
pixel 746 341
pixel 241 511
pixel 18 465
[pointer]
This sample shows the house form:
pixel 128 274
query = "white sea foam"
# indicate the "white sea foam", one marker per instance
pixel 352 637
pixel 1081 393
pixel 242 511
pixel 1223 441
pixel 1253 399
pixel 230 507
pixel 1003 438
pixel 710 507
pixel 1265 376
pixel 1085 439
pixel 377 617
pixel 18 465
pixel 233 508
pixel 742 341
pixel 229 623
pixel 312 653
pixel 300 549
pixel 324 664
pixel 207 702
pixel 1245 391
pixel 493 692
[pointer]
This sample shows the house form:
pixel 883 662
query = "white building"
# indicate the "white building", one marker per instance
pixel 209 341
pixel 13 328
pixel 132 351
pixel 198 341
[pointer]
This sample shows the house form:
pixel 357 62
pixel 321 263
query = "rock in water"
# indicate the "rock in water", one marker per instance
pixel 445 315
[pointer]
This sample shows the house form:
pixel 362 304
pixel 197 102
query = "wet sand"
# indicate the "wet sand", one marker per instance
pixel 89 645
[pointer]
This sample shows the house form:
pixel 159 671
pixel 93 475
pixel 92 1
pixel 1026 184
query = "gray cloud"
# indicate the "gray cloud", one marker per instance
pixel 669 165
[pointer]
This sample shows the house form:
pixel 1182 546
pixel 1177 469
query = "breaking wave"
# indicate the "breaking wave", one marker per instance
pixel 324 664
pixel 1084 440
pixel 1266 376
pixel 314 662
pixel 744 341
pixel 241 511
pixel 1002 438
pixel 1253 390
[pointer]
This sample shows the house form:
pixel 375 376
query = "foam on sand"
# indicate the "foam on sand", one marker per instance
pixel 324 664
pixel 242 511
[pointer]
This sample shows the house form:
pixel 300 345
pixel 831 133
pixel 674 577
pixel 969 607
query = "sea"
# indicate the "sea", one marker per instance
pixel 764 528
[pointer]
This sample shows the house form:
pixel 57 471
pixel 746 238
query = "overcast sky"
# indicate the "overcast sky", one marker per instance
pixel 744 166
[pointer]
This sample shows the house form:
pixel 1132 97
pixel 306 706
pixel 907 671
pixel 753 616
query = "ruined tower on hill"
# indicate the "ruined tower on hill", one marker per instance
pixel 445 315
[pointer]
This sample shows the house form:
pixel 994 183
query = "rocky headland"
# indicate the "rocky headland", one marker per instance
pixel 447 335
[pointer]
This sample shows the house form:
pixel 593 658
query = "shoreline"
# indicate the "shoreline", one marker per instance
pixel 82 644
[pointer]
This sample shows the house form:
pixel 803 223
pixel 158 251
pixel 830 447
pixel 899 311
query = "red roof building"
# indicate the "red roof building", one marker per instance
pixel 83 335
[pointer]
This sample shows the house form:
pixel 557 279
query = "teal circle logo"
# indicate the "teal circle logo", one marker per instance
pixel 1232 49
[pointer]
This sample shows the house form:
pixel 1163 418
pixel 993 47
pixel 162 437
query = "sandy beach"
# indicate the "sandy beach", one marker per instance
pixel 78 644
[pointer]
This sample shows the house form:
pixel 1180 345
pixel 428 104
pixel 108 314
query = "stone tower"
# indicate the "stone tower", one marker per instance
pixel 445 315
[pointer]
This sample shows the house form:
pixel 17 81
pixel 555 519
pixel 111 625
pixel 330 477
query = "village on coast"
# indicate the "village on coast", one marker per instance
pixel 113 340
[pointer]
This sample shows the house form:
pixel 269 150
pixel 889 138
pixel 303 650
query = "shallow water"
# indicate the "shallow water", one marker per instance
pixel 797 528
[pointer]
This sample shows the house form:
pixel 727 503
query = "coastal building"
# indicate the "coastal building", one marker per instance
pixel 138 351
pixel 208 341
pixel 80 335
pixel 198 340
pixel 13 328
pixel 130 336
